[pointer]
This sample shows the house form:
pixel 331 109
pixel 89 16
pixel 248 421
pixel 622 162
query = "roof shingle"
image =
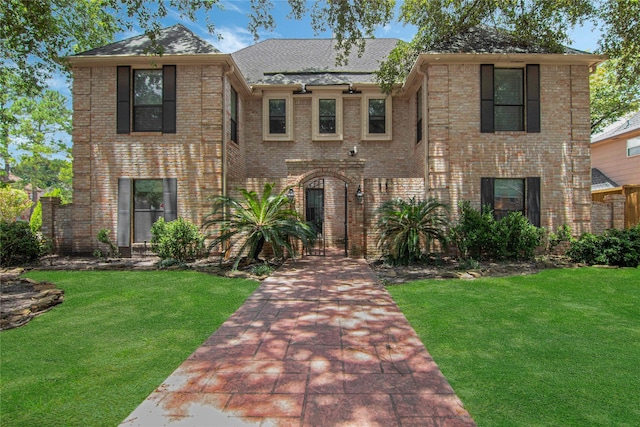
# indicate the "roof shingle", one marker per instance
pixel 628 125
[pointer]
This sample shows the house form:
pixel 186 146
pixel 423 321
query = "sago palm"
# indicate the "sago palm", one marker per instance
pixel 253 220
pixel 407 228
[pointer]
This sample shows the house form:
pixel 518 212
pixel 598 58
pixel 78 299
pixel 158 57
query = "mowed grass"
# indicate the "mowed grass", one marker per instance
pixel 93 359
pixel 559 348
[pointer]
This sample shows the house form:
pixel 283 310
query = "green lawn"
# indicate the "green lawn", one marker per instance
pixel 91 360
pixel 560 348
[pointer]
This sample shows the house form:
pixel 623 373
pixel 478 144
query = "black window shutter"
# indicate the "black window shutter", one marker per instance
pixel 486 193
pixel 533 98
pixel 169 99
pixel 170 198
pixel 124 212
pixel 486 97
pixel 533 200
pixel 123 95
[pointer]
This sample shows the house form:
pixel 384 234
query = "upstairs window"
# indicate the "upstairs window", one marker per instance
pixel 234 116
pixel 510 98
pixel 147 98
pixel 419 116
pixel 277 116
pixel 376 118
pixel 327 117
pixel 633 147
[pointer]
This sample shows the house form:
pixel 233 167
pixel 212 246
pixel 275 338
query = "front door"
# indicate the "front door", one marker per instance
pixel 314 215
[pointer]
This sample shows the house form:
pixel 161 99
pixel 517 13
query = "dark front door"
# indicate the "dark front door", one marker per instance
pixel 314 215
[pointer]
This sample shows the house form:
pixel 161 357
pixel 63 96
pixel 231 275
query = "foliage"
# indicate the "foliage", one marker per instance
pixel 530 23
pixel 117 336
pixel 54 174
pixel 262 269
pixel 112 251
pixel 563 339
pixel 561 236
pixel 409 227
pixel 611 97
pixel 614 247
pixel 18 244
pixel 12 203
pixel 478 235
pixel 179 239
pixel 35 222
pixel 253 220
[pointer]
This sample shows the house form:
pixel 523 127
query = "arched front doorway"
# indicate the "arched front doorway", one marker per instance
pixel 326 211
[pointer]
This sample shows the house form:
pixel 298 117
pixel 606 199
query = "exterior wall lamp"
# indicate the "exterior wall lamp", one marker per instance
pixel 291 195
pixel 359 195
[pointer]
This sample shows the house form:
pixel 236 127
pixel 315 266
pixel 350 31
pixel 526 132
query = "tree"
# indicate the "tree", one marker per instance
pixel 37 134
pixel 611 97
pixel 544 24
pixel 407 228
pixel 12 203
pixel 254 220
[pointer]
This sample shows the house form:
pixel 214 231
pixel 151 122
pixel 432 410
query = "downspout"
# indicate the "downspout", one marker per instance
pixel 230 71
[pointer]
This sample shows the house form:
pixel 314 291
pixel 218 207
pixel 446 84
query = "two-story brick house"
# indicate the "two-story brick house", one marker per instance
pixel 479 119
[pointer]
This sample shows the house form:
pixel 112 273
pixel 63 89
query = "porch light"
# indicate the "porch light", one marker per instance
pixel 359 194
pixel 291 195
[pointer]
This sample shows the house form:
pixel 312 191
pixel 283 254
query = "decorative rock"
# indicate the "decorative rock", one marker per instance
pixel 22 299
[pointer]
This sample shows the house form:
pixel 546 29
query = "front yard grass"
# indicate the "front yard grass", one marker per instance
pixel 93 359
pixel 561 347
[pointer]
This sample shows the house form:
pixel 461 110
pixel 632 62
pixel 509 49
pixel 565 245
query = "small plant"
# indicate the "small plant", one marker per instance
pixel 18 244
pixel 112 252
pixel 563 235
pixel 179 240
pixel 261 269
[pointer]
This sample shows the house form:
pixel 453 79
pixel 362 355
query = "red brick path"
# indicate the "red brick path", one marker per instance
pixel 320 343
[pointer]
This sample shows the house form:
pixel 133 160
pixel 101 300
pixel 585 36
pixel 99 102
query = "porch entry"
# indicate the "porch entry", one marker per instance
pixel 326 213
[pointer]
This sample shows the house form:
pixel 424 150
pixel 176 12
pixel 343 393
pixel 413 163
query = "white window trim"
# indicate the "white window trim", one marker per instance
pixel 633 143
pixel 315 112
pixel 288 136
pixel 365 118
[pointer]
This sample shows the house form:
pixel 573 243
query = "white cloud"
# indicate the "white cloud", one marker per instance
pixel 232 39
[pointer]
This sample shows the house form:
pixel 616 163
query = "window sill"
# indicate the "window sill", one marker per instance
pixel 147 133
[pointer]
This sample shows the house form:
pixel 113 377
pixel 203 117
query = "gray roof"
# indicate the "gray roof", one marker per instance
pixel 309 61
pixel 175 40
pixel 600 181
pixel 486 39
pixel 631 124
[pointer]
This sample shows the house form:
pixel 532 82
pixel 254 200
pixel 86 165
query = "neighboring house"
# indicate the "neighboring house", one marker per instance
pixel 616 152
pixel 480 119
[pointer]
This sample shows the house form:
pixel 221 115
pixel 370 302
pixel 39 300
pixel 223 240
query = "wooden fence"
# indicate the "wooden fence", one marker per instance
pixel 631 194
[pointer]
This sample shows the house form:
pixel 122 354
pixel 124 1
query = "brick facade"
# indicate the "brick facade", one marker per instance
pixel 447 163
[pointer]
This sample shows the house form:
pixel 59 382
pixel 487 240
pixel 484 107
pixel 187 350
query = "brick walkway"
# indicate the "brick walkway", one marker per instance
pixel 320 343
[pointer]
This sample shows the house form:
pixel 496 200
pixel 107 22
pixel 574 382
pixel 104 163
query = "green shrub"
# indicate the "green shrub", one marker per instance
pixel 112 251
pixel 179 240
pixel 12 203
pixel 478 235
pixel 408 228
pixel 261 269
pixel 18 244
pixel 614 247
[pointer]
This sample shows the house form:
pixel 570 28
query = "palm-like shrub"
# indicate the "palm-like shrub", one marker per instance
pixel 408 227
pixel 253 220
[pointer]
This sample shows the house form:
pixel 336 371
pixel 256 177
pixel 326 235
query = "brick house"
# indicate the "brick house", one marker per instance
pixel 479 119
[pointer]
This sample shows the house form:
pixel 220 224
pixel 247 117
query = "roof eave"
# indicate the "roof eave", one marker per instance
pixel 187 58
pixel 539 58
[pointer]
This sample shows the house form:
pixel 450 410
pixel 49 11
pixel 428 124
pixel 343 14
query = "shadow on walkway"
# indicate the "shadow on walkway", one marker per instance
pixel 319 343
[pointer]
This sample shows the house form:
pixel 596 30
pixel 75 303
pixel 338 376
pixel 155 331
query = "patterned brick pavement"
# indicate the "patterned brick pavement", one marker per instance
pixel 320 343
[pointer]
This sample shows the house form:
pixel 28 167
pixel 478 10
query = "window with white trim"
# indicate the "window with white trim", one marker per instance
pixel 376 117
pixel 327 117
pixel 277 114
pixel 633 146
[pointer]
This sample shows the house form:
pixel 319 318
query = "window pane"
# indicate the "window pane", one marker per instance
pixel 377 116
pixel 234 104
pixel 148 207
pixel 327 113
pixel 277 116
pixel 147 87
pixel 509 117
pixel 508 195
pixel 508 86
pixel 147 119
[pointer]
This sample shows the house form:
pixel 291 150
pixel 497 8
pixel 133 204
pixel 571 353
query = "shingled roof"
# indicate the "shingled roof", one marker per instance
pixel 309 61
pixel 486 39
pixel 175 40
pixel 600 181
pixel 629 125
